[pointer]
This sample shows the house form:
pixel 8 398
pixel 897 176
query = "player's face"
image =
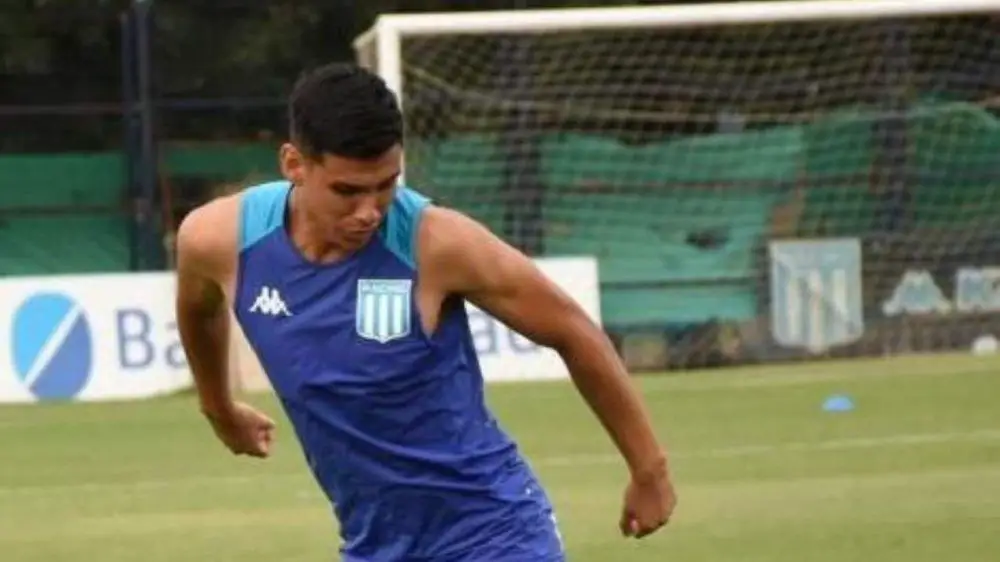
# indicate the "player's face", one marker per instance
pixel 346 198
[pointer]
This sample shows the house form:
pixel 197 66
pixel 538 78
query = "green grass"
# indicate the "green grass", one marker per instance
pixel 912 475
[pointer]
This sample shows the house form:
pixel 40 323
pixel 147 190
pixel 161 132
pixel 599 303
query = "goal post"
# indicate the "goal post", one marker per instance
pixel 757 180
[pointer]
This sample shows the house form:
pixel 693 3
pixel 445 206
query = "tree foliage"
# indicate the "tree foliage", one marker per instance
pixel 226 56
pixel 61 61
pixel 70 51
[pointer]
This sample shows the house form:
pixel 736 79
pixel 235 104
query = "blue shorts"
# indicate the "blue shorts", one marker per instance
pixel 409 526
pixel 466 557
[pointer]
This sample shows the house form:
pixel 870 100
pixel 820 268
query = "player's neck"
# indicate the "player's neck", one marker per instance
pixel 310 238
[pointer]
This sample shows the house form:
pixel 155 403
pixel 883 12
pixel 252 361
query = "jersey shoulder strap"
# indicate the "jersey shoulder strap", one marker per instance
pixel 402 223
pixel 262 210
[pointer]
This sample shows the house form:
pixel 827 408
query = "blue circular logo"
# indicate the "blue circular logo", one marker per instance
pixel 52 346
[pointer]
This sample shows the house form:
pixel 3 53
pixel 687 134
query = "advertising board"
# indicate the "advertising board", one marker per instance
pixel 89 337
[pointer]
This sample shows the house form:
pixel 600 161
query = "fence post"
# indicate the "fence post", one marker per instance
pixel 130 135
pixel 152 249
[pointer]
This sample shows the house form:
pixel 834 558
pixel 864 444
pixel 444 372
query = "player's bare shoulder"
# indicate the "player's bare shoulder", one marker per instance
pixel 433 235
pixel 457 252
pixel 445 232
pixel 440 240
pixel 207 240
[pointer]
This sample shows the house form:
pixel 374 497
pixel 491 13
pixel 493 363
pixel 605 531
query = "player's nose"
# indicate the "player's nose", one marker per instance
pixel 368 213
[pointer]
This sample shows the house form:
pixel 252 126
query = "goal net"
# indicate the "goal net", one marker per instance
pixel 757 181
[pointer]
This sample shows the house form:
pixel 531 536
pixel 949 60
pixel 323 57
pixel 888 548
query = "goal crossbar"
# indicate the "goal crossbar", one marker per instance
pixel 730 13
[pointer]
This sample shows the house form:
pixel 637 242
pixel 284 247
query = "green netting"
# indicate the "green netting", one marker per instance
pixel 696 209
pixel 956 156
pixel 465 173
pixel 639 238
pixel 758 156
pixel 61 180
pixel 952 166
pixel 61 243
pixel 680 210
pixel 67 244
pixel 221 161
pixel 86 242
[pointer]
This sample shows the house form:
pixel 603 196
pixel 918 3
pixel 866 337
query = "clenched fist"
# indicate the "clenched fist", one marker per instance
pixel 243 429
pixel 649 502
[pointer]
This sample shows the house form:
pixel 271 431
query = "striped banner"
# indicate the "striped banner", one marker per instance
pixel 816 293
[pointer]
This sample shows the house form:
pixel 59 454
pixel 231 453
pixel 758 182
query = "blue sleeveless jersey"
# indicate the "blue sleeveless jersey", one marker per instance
pixel 392 420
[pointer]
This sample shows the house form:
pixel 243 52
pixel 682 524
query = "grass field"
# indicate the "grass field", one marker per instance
pixel 912 475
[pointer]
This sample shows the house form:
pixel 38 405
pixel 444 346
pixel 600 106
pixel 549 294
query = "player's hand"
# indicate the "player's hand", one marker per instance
pixel 244 430
pixel 649 502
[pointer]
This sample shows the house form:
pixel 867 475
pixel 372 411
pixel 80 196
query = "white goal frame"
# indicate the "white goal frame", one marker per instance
pixel 390 29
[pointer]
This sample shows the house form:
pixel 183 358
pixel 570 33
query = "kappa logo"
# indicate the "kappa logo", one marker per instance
pixel 382 310
pixel 270 303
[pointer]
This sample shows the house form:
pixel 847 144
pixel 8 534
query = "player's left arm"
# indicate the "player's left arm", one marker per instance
pixel 460 256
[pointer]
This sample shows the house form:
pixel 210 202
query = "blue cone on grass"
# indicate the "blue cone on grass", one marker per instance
pixel 838 403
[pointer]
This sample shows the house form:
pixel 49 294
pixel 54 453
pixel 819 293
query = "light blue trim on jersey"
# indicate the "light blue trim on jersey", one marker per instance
pixel 262 210
pixel 399 231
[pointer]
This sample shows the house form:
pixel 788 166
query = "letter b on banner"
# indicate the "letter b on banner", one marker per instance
pixel 135 349
pixel 140 341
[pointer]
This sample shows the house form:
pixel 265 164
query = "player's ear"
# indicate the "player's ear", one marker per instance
pixel 292 163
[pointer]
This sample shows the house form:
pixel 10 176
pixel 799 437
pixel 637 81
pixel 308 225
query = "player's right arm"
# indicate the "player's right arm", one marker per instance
pixel 206 265
pixel 204 247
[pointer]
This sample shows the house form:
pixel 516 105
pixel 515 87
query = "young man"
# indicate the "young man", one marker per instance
pixel 350 290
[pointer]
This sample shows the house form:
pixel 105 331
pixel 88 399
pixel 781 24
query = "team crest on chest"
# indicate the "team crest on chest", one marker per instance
pixel 382 310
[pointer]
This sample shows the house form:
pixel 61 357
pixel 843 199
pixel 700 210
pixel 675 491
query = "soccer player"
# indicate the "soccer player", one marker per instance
pixel 350 289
